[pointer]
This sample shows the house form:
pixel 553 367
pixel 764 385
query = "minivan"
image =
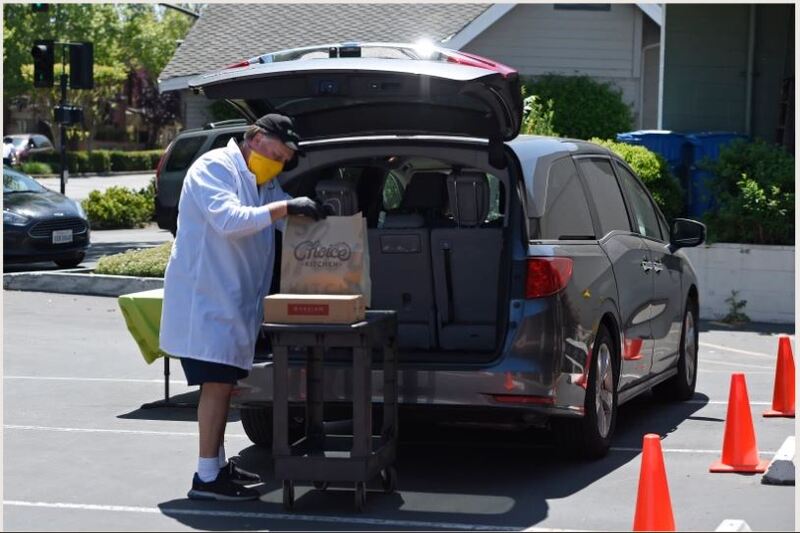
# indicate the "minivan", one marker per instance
pixel 535 280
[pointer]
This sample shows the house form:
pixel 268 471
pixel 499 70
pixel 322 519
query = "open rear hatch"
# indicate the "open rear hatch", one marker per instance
pixel 375 89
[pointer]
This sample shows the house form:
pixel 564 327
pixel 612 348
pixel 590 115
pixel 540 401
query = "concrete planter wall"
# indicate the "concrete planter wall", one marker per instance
pixel 763 275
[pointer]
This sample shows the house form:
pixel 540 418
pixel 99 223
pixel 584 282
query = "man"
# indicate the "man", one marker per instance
pixel 218 273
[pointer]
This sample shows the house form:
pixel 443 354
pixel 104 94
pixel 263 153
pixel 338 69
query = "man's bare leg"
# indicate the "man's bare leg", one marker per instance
pixel 212 415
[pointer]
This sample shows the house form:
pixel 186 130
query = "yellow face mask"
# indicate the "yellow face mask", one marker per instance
pixel 264 168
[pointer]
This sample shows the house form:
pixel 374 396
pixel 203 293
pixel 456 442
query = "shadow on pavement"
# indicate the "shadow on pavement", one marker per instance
pixel 485 477
pixel 177 414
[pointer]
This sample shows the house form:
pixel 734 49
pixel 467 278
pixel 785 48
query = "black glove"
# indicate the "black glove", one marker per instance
pixel 307 207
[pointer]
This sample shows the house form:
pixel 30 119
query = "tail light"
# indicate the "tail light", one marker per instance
pixel 547 276
pixel 161 162
pixel 471 60
pixel 240 64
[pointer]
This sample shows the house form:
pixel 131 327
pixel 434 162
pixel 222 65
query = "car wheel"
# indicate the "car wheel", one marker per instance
pixel 590 436
pixel 70 263
pixel 257 424
pixel 681 386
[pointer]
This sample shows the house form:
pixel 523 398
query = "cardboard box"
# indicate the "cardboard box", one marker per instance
pixel 314 308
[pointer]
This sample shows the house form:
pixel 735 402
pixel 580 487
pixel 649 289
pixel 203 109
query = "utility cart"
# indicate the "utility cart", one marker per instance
pixel 321 458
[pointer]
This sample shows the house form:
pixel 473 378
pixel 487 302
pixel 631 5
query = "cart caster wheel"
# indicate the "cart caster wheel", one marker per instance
pixel 389 480
pixel 288 495
pixel 360 496
pixel 320 485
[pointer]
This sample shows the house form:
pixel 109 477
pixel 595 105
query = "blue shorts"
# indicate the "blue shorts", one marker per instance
pixel 199 372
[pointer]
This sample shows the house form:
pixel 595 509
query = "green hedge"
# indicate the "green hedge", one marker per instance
pixel 754 186
pixel 102 160
pixel 655 174
pixel 583 108
pixel 118 208
pixel 35 167
pixel 147 262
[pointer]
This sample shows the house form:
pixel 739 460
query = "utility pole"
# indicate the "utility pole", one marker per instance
pixel 62 123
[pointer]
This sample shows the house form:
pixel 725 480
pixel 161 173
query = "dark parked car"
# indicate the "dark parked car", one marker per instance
pixel 23 145
pixel 535 279
pixel 40 224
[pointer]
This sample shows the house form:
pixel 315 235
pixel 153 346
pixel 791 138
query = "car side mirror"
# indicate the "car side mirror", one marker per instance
pixel 686 233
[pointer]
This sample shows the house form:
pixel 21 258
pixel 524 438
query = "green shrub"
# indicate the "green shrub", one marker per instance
pixel 537 118
pixel 138 160
pixel 583 108
pixel 147 262
pixel 654 172
pixel 35 167
pixel 118 207
pixel 753 185
pixel 100 161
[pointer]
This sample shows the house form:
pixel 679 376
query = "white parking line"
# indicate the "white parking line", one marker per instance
pixel 109 380
pixel 737 365
pixel 735 350
pixel 167 511
pixel 719 402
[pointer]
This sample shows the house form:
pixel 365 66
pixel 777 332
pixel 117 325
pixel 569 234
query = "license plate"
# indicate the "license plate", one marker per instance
pixel 62 235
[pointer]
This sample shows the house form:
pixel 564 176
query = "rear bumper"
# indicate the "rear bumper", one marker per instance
pixel 436 388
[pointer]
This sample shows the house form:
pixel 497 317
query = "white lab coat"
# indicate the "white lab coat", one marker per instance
pixel 221 264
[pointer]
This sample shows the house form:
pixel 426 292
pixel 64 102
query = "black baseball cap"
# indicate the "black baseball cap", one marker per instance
pixel 282 127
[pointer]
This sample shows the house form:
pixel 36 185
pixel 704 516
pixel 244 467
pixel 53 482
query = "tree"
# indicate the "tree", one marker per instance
pixel 159 110
pixel 128 39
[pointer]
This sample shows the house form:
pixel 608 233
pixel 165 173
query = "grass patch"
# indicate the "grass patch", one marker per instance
pixel 146 262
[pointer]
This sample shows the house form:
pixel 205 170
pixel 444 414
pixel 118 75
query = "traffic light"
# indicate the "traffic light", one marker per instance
pixel 81 63
pixel 40 8
pixel 43 53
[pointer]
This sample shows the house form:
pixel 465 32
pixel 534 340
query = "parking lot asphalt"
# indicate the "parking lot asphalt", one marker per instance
pixel 81 455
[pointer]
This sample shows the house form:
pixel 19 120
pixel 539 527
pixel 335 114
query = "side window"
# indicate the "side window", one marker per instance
pixel 222 140
pixel 606 194
pixel 392 192
pixel 566 212
pixel 183 153
pixel 643 211
pixel 495 195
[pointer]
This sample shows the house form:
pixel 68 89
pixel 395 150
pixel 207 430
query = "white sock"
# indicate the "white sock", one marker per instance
pixel 207 468
pixel 221 456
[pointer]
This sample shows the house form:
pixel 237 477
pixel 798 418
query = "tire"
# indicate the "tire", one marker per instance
pixel 257 424
pixel 70 263
pixel 681 387
pixel 590 436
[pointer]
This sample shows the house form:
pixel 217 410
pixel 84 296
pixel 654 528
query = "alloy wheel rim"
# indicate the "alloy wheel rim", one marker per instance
pixel 604 390
pixel 690 349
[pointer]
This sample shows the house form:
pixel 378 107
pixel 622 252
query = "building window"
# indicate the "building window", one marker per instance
pixel 583 7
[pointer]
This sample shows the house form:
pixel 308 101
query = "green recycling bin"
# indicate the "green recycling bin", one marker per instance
pixel 142 312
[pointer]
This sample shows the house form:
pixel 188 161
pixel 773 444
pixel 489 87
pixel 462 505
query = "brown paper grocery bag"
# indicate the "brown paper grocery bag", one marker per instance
pixel 330 256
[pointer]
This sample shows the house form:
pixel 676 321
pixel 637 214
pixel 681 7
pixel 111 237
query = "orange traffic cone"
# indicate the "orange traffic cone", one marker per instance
pixel 653 505
pixel 739 450
pixel 783 393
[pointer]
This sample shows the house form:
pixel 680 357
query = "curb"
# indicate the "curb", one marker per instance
pixel 79 281
pixel 98 174
pixel 733 525
pixel 781 468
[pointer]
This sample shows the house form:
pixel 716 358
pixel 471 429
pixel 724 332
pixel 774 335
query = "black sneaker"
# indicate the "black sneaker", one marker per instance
pixel 222 488
pixel 240 475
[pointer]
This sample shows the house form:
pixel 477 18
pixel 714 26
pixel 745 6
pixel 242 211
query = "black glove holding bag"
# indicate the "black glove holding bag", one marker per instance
pixel 307 207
